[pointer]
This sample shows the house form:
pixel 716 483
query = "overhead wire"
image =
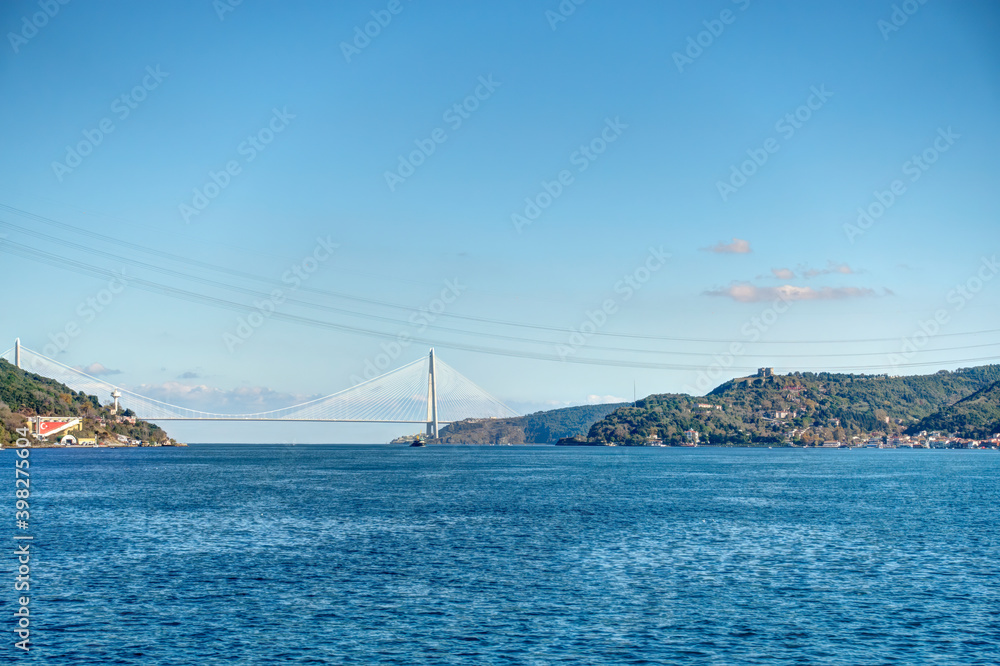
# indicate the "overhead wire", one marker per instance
pixel 63 262
pixel 307 289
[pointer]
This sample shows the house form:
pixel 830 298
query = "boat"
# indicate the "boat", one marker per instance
pixel 417 442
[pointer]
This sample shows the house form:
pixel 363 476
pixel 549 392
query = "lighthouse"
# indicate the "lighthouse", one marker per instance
pixel 115 394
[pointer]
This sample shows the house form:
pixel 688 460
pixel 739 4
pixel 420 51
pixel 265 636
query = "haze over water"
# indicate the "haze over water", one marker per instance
pixel 267 554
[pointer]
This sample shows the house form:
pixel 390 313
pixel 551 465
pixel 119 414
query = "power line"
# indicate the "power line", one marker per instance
pixel 66 263
pixel 398 396
pixel 316 306
pixel 380 303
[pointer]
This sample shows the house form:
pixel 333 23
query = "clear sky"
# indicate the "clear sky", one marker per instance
pixel 692 175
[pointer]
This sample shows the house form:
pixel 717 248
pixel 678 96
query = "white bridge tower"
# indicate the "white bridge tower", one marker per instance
pixel 432 400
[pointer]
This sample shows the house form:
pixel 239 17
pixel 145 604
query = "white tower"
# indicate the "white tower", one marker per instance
pixel 17 353
pixel 432 401
pixel 115 394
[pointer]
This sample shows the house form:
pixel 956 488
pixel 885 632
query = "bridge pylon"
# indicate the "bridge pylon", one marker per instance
pixel 426 391
pixel 432 402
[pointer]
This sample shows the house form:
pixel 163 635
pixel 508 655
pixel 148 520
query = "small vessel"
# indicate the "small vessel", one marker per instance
pixel 417 442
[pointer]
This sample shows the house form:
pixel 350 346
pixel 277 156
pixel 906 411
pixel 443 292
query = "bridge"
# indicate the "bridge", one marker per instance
pixel 426 391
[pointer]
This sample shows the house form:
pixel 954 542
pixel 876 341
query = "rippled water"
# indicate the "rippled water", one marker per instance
pixel 345 554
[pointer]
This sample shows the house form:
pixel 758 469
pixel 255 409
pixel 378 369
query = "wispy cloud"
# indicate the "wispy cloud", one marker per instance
pixel 98 370
pixel 240 400
pixel 189 375
pixel 831 268
pixel 745 292
pixel 594 399
pixel 736 246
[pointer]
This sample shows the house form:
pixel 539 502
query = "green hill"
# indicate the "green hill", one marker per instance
pixel 538 428
pixel 974 417
pixel 799 407
pixel 25 394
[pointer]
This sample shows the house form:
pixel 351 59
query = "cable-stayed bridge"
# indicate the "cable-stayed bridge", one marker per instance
pixel 425 391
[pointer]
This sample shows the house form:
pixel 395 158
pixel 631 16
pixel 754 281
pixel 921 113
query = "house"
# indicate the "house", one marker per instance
pixel 691 437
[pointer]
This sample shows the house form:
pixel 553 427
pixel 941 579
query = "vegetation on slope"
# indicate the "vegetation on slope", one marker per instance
pixel 974 417
pixel 25 394
pixel 538 428
pixel 802 407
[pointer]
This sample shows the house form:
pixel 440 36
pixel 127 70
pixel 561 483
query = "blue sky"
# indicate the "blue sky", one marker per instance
pixel 768 264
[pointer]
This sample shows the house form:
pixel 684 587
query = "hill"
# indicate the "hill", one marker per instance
pixel 974 417
pixel 539 428
pixel 798 407
pixel 25 394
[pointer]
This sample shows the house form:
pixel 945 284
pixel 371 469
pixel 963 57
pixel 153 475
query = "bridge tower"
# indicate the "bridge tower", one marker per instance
pixel 432 400
pixel 17 353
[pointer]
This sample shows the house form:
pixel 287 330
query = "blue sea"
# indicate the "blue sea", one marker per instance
pixel 282 554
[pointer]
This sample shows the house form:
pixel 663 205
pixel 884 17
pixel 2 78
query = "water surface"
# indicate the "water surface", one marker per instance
pixel 249 554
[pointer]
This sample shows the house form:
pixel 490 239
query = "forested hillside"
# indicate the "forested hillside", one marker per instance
pixel 24 394
pixel 538 428
pixel 974 417
pixel 798 407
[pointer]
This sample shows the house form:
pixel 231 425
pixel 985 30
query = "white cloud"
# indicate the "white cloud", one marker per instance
pixel 209 399
pixel 783 273
pixel 98 370
pixel 594 399
pixel 831 268
pixel 744 292
pixel 736 246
